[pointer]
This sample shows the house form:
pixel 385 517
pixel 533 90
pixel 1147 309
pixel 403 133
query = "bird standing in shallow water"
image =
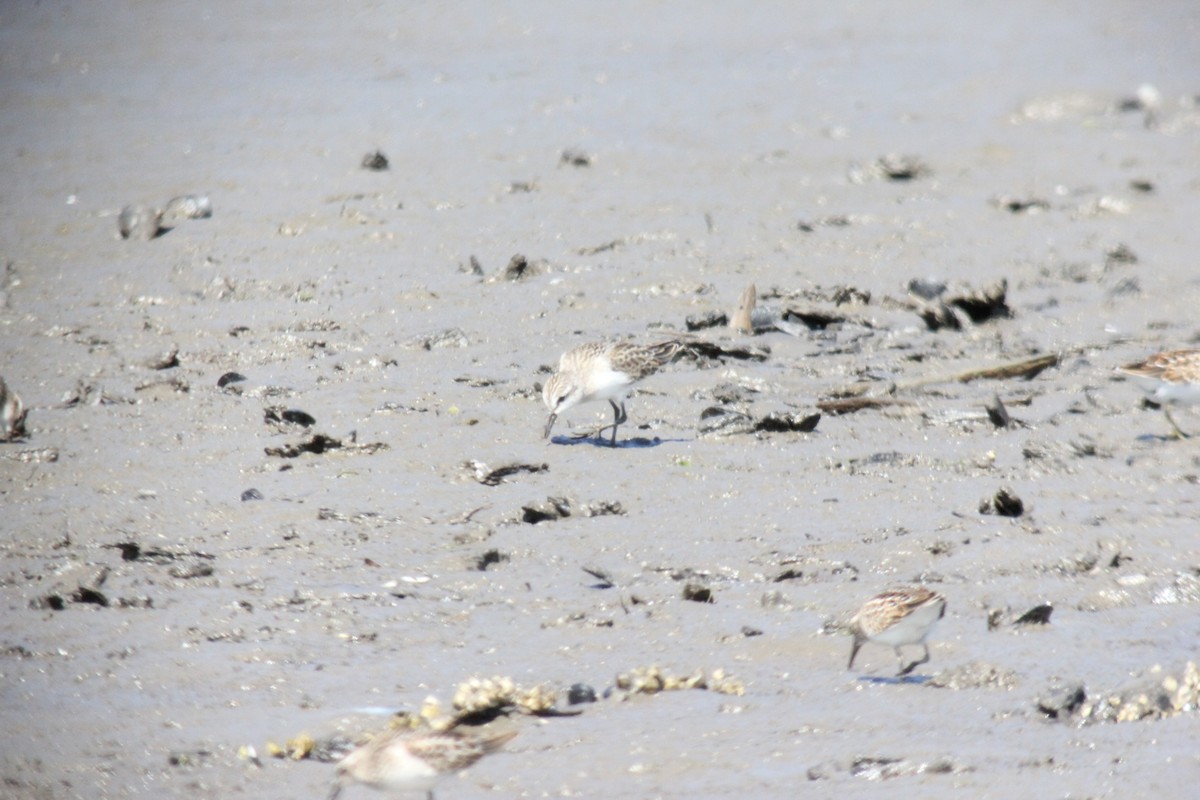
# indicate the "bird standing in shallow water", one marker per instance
pixel 603 371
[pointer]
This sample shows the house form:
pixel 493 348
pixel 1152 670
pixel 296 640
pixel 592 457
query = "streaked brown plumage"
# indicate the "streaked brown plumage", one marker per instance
pixel 603 371
pixel 895 618
pixel 1169 377
pixel 401 760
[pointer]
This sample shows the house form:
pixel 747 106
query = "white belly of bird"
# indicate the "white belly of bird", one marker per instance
pixel 1184 394
pixel 403 772
pixel 912 629
pixel 606 383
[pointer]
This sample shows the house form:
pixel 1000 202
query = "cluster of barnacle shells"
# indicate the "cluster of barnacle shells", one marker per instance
pixel 1162 697
pixel 297 748
pixel 652 680
pixel 481 695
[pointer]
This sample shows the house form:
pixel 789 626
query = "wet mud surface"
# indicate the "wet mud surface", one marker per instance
pixel 282 469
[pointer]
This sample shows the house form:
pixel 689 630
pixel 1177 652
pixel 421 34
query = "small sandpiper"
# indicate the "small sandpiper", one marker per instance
pixel 1170 377
pixel 603 371
pixel 401 760
pixel 896 618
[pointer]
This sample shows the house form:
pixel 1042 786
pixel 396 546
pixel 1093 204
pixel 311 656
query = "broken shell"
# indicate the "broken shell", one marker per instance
pixel 299 747
pixel 536 700
pixel 740 321
pixel 187 206
pixel 431 709
pixel 651 680
pixel 726 684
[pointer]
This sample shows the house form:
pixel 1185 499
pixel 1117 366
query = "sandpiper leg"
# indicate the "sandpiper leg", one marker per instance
pixel 854 652
pixel 906 670
pixel 1179 434
pixel 903 669
pixel 618 417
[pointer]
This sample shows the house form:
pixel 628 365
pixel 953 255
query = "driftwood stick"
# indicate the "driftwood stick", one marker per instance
pixel 851 398
pixel 848 405
pixel 1025 368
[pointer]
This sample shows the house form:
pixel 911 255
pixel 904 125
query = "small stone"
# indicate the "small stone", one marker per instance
pixel 926 288
pixel 1119 255
pixel 1061 700
pixel 1005 503
pixel 775 599
pixel 139 222
pixel 997 413
pixel 1038 615
pixel 823 771
pixel 489 558
pixel 548 510
pixel 188 206
pixel 781 421
pixel 580 693
pixel 723 421
pixel 451 337
pixel 375 161
pixel 573 157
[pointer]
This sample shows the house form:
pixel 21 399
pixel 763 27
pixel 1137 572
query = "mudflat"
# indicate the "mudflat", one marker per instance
pixel 283 469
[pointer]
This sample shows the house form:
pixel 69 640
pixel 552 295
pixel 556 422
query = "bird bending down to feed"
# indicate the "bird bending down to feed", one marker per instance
pixel 896 618
pixel 603 371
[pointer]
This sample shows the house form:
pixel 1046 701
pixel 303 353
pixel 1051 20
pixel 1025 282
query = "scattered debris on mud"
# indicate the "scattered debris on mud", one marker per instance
pixel 652 680
pixel 490 476
pixel 319 443
pixel 553 508
pixel 1154 696
pixel 974 675
pixel 728 421
pixel 891 167
pixel 878 768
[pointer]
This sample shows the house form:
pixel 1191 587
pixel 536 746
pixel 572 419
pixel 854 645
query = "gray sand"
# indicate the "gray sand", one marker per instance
pixel 728 145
